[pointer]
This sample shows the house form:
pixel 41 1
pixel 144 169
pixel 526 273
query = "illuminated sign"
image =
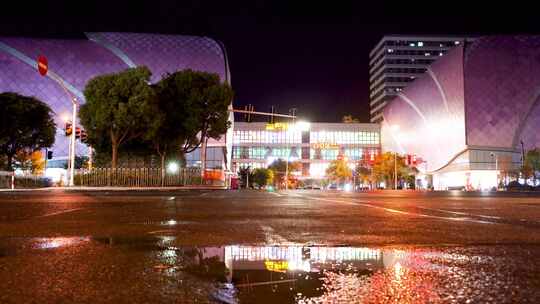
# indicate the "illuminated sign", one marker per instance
pixel 278 126
pixel 276 266
pixel 325 146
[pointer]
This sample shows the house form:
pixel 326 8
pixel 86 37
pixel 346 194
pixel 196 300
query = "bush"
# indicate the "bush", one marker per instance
pixel 262 177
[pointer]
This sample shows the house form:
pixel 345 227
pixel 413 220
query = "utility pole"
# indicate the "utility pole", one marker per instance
pixel 395 171
pixel 292 112
pixel 43 68
pixel 522 154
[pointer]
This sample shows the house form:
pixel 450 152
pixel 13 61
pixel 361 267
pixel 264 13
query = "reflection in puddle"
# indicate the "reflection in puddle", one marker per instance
pixel 288 274
pixel 317 274
pixel 56 242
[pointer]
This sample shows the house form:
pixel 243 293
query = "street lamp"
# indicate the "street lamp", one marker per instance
pixel 496 167
pixel 300 126
pixel 395 128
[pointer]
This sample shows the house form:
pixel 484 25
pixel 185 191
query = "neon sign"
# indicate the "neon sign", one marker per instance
pixel 325 146
pixel 278 126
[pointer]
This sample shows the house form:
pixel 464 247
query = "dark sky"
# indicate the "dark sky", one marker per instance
pixel 289 54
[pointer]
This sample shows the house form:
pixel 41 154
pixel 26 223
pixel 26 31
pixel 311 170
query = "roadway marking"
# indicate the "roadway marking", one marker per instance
pixel 391 210
pixel 275 193
pixel 462 213
pixel 58 212
pixel 161 231
pixel 271 237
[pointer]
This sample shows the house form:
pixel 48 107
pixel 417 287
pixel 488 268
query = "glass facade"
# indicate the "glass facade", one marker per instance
pixel 257 147
pixel 345 137
pixel 215 158
pixel 266 137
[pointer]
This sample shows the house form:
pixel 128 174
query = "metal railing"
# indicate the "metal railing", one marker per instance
pixel 137 177
pixel 22 181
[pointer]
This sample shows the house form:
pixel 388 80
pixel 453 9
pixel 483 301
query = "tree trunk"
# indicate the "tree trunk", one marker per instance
pixel 9 162
pixel 162 169
pixel 114 158
pixel 203 155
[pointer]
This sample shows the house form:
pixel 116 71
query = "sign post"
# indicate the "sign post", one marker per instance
pixel 43 68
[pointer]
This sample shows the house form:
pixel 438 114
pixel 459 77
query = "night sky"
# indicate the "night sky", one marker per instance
pixel 310 56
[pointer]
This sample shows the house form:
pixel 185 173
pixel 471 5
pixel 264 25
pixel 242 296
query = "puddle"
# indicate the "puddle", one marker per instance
pixel 323 274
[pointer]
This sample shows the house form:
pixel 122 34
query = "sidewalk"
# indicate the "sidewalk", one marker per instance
pixel 79 188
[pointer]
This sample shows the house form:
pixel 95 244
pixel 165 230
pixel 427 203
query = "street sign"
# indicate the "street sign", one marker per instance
pixel 42 65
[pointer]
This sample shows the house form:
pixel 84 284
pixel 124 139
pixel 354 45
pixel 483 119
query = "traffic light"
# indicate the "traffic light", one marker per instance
pixel 68 128
pixel 49 154
pixel 84 136
pixel 77 132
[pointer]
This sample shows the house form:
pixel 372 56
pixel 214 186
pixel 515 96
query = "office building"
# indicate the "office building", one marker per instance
pixel 397 61
pixel 314 145
pixel 472 116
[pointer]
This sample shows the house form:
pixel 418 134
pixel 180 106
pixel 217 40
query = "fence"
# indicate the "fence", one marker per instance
pixel 137 177
pixel 23 181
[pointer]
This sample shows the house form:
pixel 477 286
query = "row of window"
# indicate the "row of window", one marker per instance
pixel 270 137
pixel 421 43
pixel 214 158
pixel 293 153
pixel 409 43
pixel 399 79
pixel 423 61
pixel 399 71
pixel 345 137
pixel 295 137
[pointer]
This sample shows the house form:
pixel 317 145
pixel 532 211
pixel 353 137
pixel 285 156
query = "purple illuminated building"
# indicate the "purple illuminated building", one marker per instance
pixel 75 62
pixel 467 116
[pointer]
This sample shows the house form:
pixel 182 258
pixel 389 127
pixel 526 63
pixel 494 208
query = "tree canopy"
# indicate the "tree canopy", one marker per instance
pixel 262 177
pixel 117 107
pixel 339 171
pixel 191 107
pixel 383 168
pixel 26 124
pixel 349 119
pixel 532 162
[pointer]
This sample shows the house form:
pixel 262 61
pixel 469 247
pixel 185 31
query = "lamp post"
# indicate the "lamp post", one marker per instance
pixel 71 156
pixel 395 128
pixel 395 171
pixel 292 112
pixel 43 68
pixel 496 168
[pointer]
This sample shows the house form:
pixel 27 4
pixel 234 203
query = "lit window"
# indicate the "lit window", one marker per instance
pixel 456 42
pixel 441 53
pixel 390 50
pixel 441 45
pixel 412 44
pixel 420 43
pixel 427 54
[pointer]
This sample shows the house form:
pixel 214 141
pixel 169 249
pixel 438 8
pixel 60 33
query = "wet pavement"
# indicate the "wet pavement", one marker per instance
pixel 255 247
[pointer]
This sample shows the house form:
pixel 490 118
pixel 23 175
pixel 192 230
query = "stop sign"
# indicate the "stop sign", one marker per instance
pixel 42 65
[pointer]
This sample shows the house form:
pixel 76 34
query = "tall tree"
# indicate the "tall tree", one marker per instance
pixel 364 175
pixel 194 107
pixel 262 177
pixel 339 171
pixel 117 108
pixel 279 167
pixel 26 123
pixel 384 167
pixel 532 161
pixel 349 119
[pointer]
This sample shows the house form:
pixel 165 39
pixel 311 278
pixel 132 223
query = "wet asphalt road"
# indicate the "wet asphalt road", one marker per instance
pixel 172 246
